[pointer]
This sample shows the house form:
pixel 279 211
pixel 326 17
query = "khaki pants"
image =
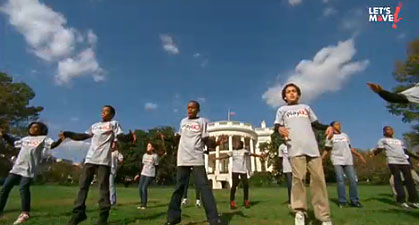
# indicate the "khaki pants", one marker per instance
pixel 319 198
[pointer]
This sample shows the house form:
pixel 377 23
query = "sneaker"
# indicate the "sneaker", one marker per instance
pixel 327 223
pixel 233 205
pixel 184 201
pixel 77 220
pixel 404 205
pixel 247 204
pixel 23 217
pixel 341 205
pixel 356 204
pixel 141 207
pixel 198 203
pixel 414 205
pixel 299 218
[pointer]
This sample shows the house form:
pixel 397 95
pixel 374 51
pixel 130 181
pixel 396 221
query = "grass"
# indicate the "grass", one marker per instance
pixel 52 205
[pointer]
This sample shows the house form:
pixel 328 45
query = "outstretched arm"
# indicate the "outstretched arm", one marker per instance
pixel 386 95
pixel 76 136
pixel 375 152
pixel 411 154
pixel 211 143
pixel 319 126
pixel 325 153
pixel 359 155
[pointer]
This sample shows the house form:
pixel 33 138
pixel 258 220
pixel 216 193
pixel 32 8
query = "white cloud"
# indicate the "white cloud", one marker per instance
pixel 197 55
pixel 329 11
pixel 201 100
pixel 295 2
pixel 354 21
pixel 74 119
pixel 401 36
pixel 83 64
pixel 168 44
pixel 149 106
pixel 49 38
pixel 326 72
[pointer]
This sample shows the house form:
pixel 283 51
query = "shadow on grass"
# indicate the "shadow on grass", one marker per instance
pixel 409 212
pixel 227 217
pixel 137 218
pixel 383 200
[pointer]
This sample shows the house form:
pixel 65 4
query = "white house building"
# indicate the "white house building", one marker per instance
pixel 219 171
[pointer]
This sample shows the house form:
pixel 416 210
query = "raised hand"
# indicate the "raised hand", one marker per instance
pixel 375 87
pixel 134 136
pixel 61 136
pixel 222 139
pixel 329 132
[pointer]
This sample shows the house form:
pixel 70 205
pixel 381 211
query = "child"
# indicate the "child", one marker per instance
pixel 26 166
pixel 98 159
pixel 340 147
pixel 116 159
pixel 398 162
pixel 286 168
pixel 239 169
pixel 193 137
pixel 295 122
pixel 150 163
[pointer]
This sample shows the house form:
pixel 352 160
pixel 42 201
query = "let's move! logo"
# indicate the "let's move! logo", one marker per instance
pixel 383 14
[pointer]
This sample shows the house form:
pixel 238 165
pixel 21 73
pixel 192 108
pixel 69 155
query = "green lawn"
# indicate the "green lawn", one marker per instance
pixel 52 205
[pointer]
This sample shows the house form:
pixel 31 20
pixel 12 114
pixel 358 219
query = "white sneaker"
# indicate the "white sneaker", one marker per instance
pixel 404 205
pixel 414 205
pixel 184 201
pixel 327 223
pixel 141 207
pixel 299 218
pixel 23 217
pixel 198 203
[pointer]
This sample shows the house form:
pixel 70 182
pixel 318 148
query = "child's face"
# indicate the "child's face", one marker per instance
pixel 337 127
pixel 388 132
pixel 34 129
pixel 106 114
pixel 192 110
pixel 292 95
pixel 150 147
pixel 236 145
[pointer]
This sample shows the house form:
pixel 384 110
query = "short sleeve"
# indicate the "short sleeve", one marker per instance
pixel 156 160
pixel 48 142
pixel 120 157
pixel 205 128
pixel 279 118
pixel 230 153
pixel 311 115
pixel 402 144
pixel 328 143
pixel 117 129
pixel 280 150
pixel 349 140
pixel 180 128
pixel 18 143
pixel 89 131
pixel 380 144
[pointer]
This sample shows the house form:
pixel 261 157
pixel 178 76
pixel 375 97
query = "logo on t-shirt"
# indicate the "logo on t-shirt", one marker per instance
pixel 394 142
pixel 297 113
pixel 191 126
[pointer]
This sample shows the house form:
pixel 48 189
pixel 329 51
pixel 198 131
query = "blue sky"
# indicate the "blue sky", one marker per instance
pixel 148 58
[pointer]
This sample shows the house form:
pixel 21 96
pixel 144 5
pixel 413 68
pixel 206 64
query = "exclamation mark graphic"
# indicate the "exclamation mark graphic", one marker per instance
pixel 396 15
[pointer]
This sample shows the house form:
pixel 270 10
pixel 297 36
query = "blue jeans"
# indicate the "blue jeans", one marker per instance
pixel 25 193
pixel 349 170
pixel 142 187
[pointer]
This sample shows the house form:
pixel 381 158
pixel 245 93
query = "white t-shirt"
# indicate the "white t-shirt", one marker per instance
pixel 412 94
pixel 286 165
pixel 104 133
pixel 297 119
pixel 239 160
pixel 394 149
pixel 30 154
pixel 116 158
pixel 150 161
pixel 341 153
pixel 191 147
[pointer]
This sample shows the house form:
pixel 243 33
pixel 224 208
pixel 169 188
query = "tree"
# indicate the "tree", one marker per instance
pixel 407 74
pixel 15 114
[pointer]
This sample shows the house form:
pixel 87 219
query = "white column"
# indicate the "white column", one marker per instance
pixel 230 160
pixel 252 159
pixel 215 183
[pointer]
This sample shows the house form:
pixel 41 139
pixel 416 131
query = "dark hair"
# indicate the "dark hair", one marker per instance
pixel 44 128
pixel 111 108
pixel 384 128
pixel 241 144
pixel 196 103
pixel 290 85
pixel 333 123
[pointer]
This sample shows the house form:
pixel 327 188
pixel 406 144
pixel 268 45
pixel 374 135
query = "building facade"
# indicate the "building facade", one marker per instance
pixel 219 171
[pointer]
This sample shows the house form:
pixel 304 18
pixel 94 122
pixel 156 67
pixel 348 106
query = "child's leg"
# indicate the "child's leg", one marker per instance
pixel 140 188
pixel 410 185
pixel 25 194
pixel 112 189
pixel 289 185
pixel 298 192
pixel 340 184
pixel 147 182
pixel 197 193
pixel 86 177
pixel 318 190
pixel 103 173
pixel 8 184
pixel 235 177
pixel 185 192
pixel 243 178
pixel 398 185
pixel 353 184
pixel 208 200
pixel 174 212
pixel 393 189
